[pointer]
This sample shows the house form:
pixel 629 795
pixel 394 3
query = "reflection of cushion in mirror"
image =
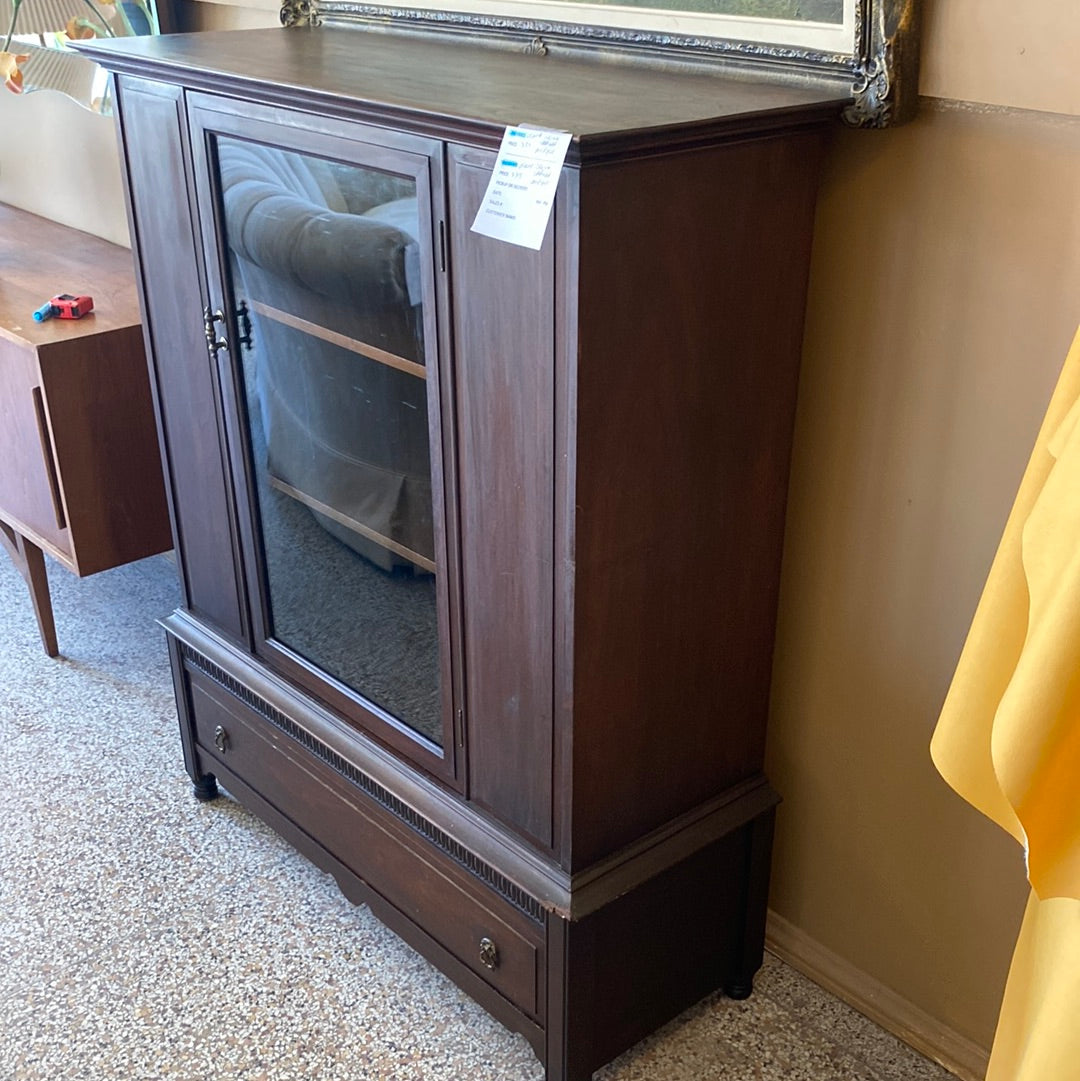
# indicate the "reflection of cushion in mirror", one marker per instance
pixel 327 272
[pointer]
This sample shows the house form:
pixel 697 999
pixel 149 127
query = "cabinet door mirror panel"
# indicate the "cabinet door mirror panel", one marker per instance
pixel 335 400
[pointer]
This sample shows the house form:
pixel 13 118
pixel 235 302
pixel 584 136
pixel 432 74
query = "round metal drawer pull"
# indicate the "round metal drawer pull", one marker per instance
pixel 221 739
pixel 489 953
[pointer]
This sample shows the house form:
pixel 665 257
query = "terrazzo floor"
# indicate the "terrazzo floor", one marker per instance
pixel 144 935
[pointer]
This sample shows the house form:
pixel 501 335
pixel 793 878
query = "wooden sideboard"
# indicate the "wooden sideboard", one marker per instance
pixel 80 465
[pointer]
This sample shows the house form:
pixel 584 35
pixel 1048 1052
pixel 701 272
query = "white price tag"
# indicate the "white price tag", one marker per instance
pixel 519 197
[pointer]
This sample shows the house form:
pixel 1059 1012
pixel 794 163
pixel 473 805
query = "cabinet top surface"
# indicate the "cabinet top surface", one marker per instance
pixel 40 259
pixel 442 85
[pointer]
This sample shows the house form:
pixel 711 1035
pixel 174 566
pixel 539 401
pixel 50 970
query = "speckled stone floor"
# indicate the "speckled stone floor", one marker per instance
pixel 144 935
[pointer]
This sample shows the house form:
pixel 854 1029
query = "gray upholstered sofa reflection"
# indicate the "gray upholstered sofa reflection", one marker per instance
pixel 326 256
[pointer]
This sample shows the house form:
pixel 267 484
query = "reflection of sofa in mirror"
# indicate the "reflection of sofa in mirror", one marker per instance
pixel 327 259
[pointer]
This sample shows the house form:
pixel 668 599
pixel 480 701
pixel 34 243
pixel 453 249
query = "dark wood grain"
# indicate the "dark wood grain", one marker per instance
pixel 573 992
pixel 318 847
pixel 323 732
pixel 649 955
pixel 407 82
pixel 505 370
pixel 452 906
pixel 739 980
pixel 186 395
pixel 693 274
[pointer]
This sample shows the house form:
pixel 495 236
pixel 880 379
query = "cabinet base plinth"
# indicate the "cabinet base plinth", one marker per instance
pixel 581 990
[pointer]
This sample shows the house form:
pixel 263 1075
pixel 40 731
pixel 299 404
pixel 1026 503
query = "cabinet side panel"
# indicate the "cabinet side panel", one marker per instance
pixel 169 276
pixel 504 355
pixel 101 422
pixel 693 278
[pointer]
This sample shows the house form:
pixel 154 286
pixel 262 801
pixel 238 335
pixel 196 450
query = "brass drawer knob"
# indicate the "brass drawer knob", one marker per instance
pixel 489 953
pixel 221 739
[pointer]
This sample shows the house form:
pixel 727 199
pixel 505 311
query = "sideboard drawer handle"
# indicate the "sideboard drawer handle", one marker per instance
pixel 221 739
pixel 489 953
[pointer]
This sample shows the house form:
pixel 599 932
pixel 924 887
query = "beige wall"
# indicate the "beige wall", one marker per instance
pixel 944 293
pixel 1001 52
pixel 61 161
pixel 226 14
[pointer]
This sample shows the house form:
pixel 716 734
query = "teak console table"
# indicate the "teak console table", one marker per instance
pixel 80 467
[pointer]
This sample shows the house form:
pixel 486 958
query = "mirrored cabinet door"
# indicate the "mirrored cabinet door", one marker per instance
pixel 331 386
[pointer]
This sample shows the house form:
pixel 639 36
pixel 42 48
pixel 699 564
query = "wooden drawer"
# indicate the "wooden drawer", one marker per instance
pixel 494 939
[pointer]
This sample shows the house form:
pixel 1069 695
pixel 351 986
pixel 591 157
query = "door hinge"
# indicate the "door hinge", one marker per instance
pixel 442 254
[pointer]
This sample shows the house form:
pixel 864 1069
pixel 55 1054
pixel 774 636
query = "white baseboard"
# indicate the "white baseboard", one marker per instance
pixel 959 1055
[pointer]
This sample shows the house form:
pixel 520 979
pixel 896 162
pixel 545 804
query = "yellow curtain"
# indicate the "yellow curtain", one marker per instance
pixel 1008 739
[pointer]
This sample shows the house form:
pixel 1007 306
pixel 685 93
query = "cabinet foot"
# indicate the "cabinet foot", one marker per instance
pixel 205 788
pixel 759 837
pixel 562 1068
pixel 561 1074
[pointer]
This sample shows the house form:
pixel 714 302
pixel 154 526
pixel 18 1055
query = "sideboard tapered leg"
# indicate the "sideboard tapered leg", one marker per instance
pixel 30 563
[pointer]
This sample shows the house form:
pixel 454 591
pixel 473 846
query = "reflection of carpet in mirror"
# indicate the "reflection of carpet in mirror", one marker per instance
pixel 373 630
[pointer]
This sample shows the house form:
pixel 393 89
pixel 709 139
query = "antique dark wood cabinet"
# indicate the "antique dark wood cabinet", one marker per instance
pixel 480 544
